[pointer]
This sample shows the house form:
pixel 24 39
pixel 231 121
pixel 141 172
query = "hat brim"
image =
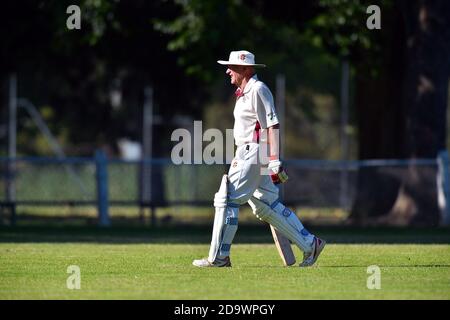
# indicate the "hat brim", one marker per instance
pixel 229 63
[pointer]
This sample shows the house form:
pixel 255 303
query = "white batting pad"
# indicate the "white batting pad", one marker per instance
pixel 285 221
pixel 220 198
pixel 225 227
pixel 225 223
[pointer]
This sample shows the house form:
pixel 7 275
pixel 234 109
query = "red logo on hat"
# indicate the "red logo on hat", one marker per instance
pixel 242 57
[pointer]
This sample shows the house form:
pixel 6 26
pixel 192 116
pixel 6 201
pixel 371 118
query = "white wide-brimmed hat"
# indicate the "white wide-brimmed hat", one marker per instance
pixel 241 58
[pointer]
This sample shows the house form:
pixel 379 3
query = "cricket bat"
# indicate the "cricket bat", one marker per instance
pixel 284 247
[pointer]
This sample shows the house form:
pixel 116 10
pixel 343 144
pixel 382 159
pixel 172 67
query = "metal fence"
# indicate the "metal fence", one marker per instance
pixel 155 183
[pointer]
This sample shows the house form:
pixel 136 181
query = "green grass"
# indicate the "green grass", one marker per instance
pixel 148 263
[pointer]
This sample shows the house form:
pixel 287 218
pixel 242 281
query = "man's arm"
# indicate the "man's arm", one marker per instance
pixel 273 139
pixel 278 174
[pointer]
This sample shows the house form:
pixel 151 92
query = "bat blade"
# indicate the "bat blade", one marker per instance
pixel 284 247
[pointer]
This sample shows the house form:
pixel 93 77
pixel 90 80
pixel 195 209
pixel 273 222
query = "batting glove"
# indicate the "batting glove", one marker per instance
pixel 277 173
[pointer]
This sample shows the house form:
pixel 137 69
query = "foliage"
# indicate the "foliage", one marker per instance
pixel 205 30
pixel 173 46
pixel 75 72
pixel 340 28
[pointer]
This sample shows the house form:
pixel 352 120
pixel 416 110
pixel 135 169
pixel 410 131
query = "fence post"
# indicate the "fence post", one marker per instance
pixel 444 185
pixel 13 214
pixel 12 147
pixel 101 164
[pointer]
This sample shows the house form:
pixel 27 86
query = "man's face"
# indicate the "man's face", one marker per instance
pixel 237 74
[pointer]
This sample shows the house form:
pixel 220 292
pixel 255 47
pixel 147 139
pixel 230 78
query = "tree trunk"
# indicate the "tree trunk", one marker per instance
pixel 402 114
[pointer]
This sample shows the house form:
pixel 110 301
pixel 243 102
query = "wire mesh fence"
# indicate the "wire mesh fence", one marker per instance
pixel 158 183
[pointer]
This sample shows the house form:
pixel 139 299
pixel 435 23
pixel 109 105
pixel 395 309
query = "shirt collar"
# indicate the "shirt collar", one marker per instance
pixel 250 83
pixel 239 93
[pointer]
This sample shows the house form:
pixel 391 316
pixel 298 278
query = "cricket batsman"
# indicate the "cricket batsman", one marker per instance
pixel 246 182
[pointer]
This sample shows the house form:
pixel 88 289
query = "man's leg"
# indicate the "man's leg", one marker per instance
pixel 224 229
pixel 243 178
pixel 267 207
pixel 225 224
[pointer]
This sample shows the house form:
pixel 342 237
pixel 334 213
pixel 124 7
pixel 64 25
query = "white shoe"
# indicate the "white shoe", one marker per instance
pixel 202 263
pixel 310 258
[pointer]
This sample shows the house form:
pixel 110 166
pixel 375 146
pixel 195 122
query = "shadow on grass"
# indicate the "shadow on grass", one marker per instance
pixel 199 234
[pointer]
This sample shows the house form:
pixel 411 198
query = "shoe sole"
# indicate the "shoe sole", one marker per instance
pixel 212 266
pixel 224 266
pixel 318 252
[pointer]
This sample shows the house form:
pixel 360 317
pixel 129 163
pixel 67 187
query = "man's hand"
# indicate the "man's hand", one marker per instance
pixel 277 173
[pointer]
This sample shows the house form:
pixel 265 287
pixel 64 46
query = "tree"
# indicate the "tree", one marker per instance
pixel 400 103
pixel 402 114
pixel 72 73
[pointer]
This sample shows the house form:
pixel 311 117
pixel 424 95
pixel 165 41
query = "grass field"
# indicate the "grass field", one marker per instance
pixel 146 263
